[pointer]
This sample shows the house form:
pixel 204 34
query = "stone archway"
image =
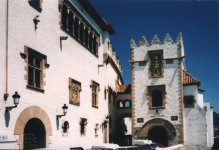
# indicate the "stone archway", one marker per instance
pixel 158 122
pixel 121 139
pixel 27 114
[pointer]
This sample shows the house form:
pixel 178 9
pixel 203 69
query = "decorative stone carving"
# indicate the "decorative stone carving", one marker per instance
pixel 156 66
pixel 74 92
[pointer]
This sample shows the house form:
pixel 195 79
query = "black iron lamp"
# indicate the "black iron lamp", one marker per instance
pixel 16 98
pixel 108 117
pixel 65 108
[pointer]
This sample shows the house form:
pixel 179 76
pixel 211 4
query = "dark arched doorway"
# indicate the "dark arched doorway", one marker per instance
pixel 158 135
pixel 124 133
pixel 34 134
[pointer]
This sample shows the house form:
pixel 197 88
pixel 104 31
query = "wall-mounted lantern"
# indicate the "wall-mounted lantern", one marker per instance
pixel 35 20
pixel 16 98
pixel 65 108
pixel 108 117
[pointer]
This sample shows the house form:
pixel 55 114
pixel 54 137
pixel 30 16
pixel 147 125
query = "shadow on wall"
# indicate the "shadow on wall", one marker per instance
pixel 57 124
pixel 7 119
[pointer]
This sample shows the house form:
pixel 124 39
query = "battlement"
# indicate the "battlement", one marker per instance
pixel 111 54
pixel 155 41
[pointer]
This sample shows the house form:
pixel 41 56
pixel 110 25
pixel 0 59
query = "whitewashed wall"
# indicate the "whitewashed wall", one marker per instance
pixel 195 121
pixel 72 60
pixel 200 99
pixel 209 120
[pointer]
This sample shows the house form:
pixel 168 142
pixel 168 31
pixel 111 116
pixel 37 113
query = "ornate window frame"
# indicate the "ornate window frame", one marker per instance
pixel 152 88
pixel 189 98
pixel 152 62
pixel 74 92
pixel 95 88
pixel 43 65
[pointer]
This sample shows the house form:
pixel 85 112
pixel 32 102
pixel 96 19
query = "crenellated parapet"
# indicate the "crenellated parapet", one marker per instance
pixel 155 41
pixel 109 56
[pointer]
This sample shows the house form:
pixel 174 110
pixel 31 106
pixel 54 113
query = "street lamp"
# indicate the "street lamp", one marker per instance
pixel 16 98
pixel 65 108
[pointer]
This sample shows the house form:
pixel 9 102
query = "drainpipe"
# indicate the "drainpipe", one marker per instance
pixel 6 91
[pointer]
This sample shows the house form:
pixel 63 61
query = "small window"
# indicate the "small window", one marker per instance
pixel 127 104
pixel 156 98
pixel 119 104
pixel 83 124
pixel 66 127
pixel 95 89
pixel 205 108
pixel 189 101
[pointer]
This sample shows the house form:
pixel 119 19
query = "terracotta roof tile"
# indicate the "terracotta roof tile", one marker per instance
pixel 189 79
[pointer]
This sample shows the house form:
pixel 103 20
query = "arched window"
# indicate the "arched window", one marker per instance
pixel 91 41
pixel 86 37
pixel 82 32
pixel 127 104
pixel 64 16
pixel 119 104
pixel 156 98
pixel 70 22
pixel 95 44
pixel 76 27
pixel 66 126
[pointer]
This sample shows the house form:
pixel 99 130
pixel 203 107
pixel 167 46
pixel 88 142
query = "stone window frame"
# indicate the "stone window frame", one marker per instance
pixel 38 7
pixel 43 64
pixel 186 98
pixel 93 83
pixel 149 96
pixel 76 86
pixel 91 37
pixel 161 52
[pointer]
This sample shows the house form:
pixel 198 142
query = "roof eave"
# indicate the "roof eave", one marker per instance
pixel 96 17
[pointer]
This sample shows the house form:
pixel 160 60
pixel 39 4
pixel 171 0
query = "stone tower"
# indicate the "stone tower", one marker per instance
pixel 157 90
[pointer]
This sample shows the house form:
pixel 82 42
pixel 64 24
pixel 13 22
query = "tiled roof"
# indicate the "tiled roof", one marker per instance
pixel 189 79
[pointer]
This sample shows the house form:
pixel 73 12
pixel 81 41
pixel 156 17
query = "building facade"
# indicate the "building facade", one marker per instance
pixel 167 104
pixel 56 54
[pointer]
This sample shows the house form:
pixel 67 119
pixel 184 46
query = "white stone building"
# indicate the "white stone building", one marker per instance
pixel 167 104
pixel 55 53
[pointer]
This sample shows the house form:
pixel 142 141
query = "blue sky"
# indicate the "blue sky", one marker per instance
pixel 197 20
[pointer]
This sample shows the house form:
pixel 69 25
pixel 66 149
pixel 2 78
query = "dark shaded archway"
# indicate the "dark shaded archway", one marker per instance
pixel 34 134
pixel 158 135
pixel 121 138
pixel 158 122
